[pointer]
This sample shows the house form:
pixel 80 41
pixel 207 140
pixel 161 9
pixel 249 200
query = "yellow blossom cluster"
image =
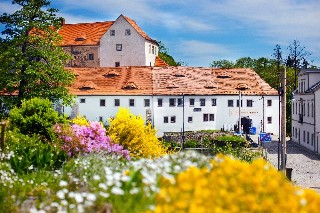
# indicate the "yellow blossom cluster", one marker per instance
pixel 80 120
pixel 131 132
pixel 234 186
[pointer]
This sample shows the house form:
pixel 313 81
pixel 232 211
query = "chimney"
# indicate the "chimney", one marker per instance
pixel 63 21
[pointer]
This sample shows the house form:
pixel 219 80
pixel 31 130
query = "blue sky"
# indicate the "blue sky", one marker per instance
pixel 200 31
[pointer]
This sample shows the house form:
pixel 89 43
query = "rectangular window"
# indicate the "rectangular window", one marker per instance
pixel 131 102
pixel 117 64
pixel 213 102
pixel 91 56
pixel 202 101
pixel 147 102
pixel 152 49
pixel 102 102
pixel 159 102
pixel 191 101
pixel 172 102
pixel 249 103
pixel 82 100
pixel 127 32
pixel 101 119
pixel 312 139
pixel 230 103
pixel 238 103
pixel 180 101
pixel 304 136
pixel 116 102
pixel 165 119
pixel 173 119
pixel 112 32
pixel 269 103
pixel 307 137
pixel 190 119
pixel 119 47
pixel 269 120
pixel 211 117
pixel 205 117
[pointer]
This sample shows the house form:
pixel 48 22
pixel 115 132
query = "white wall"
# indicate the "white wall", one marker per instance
pixel 133 46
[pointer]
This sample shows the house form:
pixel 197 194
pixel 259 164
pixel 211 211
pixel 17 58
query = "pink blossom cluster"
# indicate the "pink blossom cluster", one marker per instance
pixel 86 139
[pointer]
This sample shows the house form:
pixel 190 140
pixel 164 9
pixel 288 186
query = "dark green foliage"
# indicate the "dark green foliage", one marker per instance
pixel 31 154
pixel 35 116
pixel 164 55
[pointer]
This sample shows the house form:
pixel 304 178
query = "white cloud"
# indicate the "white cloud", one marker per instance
pixel 7 7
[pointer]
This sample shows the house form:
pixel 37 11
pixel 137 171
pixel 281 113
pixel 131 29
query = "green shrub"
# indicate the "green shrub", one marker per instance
pixel 35 116
pixel 30 153
pixel 236 141
pixel 191 144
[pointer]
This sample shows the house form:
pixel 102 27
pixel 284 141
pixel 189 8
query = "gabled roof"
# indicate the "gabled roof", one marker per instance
pixel 137 28
pixel 313 88
pixel 83 33
pixel 168 81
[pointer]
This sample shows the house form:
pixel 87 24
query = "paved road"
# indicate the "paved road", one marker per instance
pixel 304 163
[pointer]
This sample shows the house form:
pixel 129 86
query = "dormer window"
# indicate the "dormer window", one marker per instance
pixel 80 39
pixel 91 56
pixel 130 85
pixel 119 47
pixel 224 75
pixel 242 86
pixel 112 32
pixel 127 32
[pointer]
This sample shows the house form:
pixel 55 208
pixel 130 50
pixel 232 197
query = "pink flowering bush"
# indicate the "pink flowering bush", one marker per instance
pixel 86 139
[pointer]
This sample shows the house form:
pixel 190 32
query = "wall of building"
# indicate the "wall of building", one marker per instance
pixel 133 46
pixel 151 52
pixel 80 56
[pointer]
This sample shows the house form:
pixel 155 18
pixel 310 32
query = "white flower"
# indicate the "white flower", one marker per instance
pixel 96 177
pixel 30 167
pixel 63 183
pixel 64 202
pixel 103 186
pixel 103 194
pixel 91 197
pixel 60 194
pixel 117 191
pixel 78 197
pixel 134 190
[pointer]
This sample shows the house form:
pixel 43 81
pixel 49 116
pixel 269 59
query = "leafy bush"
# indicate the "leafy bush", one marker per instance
pixel 236 141
pixel 191 144
pixel 35 116
pixel 80 120
pixel 29 153
pixel 86 139
pixel 225 187
pixel 131 132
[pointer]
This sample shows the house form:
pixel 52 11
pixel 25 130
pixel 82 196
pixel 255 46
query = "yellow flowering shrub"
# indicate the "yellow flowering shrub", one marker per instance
pixel 80 120
pixel 133 134
pixel 234 186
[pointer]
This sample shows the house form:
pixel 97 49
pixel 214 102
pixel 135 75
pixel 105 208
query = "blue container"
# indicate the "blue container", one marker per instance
pixel 253 130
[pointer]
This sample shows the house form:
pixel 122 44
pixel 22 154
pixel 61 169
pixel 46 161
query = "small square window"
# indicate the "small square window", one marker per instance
pixel 238 103
pixel 173 119
pixel 127 32
pixel 116 102
pixel 131 102
pixel 269 102
pixel 159 102
pixel 112 32
pixel 102 102
pixel 214 102
pixel 190 119
pixel 152 49
pixel 119 47
pixel 230 103
pixel 205 117
pixel 117 64
pixel 91 56
pixel 82 100
pixel 101 119
pixel 249 103
pixel 191 101
pixel 172 102
pixel 202 101
pixel 147 102
pixel 180 101
pixel 211 117
pixel 269 120
pixel 165 119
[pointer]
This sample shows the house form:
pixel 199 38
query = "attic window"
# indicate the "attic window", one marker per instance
pixel 127 32
pixel 224 75
pixel 111 74
pixel 210 85
pixel 242 86
pixel 179 74
pixel 130 85
pixel 87 85
pixel 80 38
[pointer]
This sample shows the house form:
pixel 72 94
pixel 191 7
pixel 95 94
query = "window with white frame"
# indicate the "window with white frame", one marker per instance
pixel 116 102
pixel 172 119
pixel 159 102
pixel 82 100
pixel 147 102
pixel 127 32
pixel 103 102
pixel 190 119
pixel 230 103
pixel 213 102
pixel 191 101
pixel 100 118
pixel 238 103
pixel 119 47
pixel 131 102
pixel 180 101
pixel 202 101
pixel 172 102
pixel 249 103
pixel 165 119
pixel 112 32
pixel 269 120
pixel 269 103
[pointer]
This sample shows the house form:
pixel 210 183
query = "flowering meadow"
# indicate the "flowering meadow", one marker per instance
pixel 78 167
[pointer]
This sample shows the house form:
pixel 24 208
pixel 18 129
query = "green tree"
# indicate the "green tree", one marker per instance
pixel 31 62
pixel 224 64
pixel 164 55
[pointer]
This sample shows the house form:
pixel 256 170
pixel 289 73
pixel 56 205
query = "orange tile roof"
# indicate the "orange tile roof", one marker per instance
pixel 160 63
pixel 83 33
pixel 168 81
pixel 138 29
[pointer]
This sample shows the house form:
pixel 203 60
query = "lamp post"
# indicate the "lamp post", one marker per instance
pixel 283 123
pixel 183 137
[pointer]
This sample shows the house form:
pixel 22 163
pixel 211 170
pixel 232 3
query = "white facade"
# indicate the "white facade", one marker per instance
pixel 305 111
pixel 263 110
pixel 123 45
